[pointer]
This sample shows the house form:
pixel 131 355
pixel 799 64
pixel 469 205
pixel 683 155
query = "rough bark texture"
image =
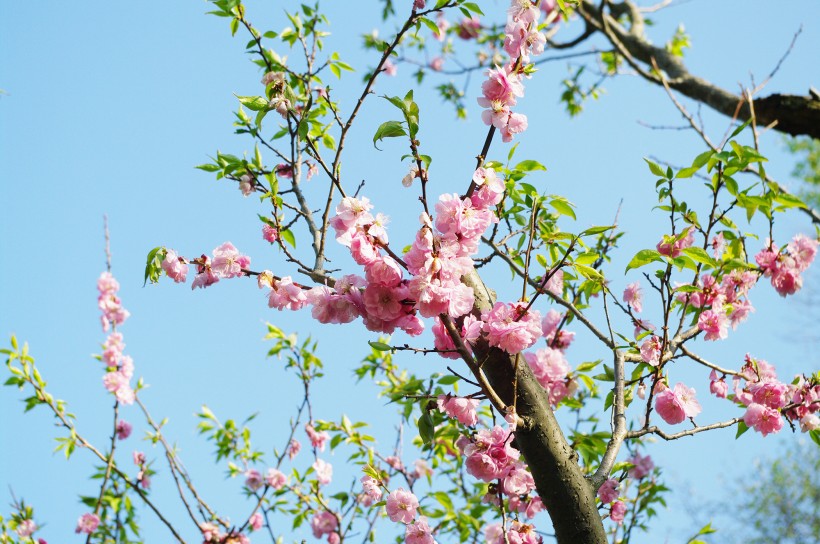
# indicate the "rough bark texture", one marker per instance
pixel 793 114
pixel 569 498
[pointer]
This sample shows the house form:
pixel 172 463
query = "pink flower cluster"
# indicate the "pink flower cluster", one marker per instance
pixel 401 505
pixel 87 523
pixel 119 367
pixel 461 408
pixel 211 534
pixel 552 371
pixel 768 400
pixel 325 523
pixel 785 267
pixel 109 303
pixel 504 84
pixel 727 302
pixel 676 404
pixel 26 528
pixel 489 457
pixel 673 246
pixel 317 439
pixel 516 533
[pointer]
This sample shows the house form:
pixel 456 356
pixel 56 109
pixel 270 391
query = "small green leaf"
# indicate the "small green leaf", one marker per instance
pixel 255 103
pixel 388 129
pixel 563 207
pixel 530 166
pixel 643 257
pixel 427 429
pixel 655 168
pixel 380 346
pixel 287 236
pixel 741 428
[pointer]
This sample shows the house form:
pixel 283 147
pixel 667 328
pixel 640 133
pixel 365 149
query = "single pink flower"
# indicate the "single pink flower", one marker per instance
pixel 461 408
pixel 642 466
pixel 419 532
pixel 401 505
pixel 255 521
pixel 324 471
pixel 87 523
pixel 763 419
pixel 275 478
pixel 633 295
pixel 123 429
pixel 608 491
pixel 617 512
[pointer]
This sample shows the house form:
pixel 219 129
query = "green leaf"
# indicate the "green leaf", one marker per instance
pixel 287 236
pixel 448 380
pixel 586 367
pixel 655 168
pixel 388 129
pixel 643 257
pixel 208 167
pixel 699 255
pixel 563 207
pixel 472 7
pixel 427 429
pixel 741 428
pixel 596 230
pixel 380 346
pixel 529 166
pixel 255 103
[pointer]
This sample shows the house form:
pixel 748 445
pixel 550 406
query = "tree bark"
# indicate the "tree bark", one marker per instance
pixel 569 498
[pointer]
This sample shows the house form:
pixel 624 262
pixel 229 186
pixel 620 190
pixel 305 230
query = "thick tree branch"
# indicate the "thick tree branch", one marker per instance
pixel 790 114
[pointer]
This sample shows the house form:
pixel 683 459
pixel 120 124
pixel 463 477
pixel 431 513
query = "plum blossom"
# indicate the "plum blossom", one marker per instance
pixel 489 454
pixel 461 408
pixel 763 419
pixel 617 512
pixel 87 523
pixel 228 262
pixel 651 350
pixel 511 327
pixel 27 527
pixel 714 323
pixel 371 488
pixel 673 246
pixel 275 478
pixel 642 466
pixel 317 439
pixel 253 480
pixel 633 295
pixel 123 429
pixel 418 532
pixel 286 294
pixel 718 387
pixel 256 521
pixel 324 471
pixel 401 505
pixel 675 405
pixel 608 491
pixel 324 523
pixel 174 266
pixel 270 233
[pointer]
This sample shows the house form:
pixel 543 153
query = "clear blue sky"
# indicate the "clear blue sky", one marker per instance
pixel 110 106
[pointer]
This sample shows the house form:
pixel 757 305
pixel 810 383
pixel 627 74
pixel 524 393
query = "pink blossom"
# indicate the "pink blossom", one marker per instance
pixel 461 408
pixel 255 521
pixel 284 170
pixel 642 466
pixel 518 481
pixel 123 429
pixel 549 366
pixel 293 448
pixel 210 532
pixel 333 538
pixel 174 266
pixel 675 405
pixel 118 383
pixel 511 328
pixel 275 478
pixel 718 387
pixel 523 10
pixel 633 295
pixel 642 326
pixel 371 488
pixel 443 24
pixel 714 323
pixel 651 350
pixel 389 68
pixel 516 123
pixel 228 262
pixel 253 480
pixel 617 512
pixel 138 457
pixel 608 491
pixel 87 523
pixel 384 302
pixel 555 284
pixel 418 532
pixel 324 471
pixel 401 505
pixel 469 28
pixel 270 233
pixel 437 64
pixel 763 419
pixel 718 245
pixel 246 184
pixel 27 527
pixel 769 393
pixel 317 439
pixel 324 523
pixel 205 277
pixel 489 454
pixel 418 4
pixel 286 294
pixel 672 246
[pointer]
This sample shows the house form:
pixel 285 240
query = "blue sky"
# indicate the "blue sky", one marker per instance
pixel 108 109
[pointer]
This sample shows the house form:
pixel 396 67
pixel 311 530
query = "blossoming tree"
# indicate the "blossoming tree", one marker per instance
pixel 495 464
